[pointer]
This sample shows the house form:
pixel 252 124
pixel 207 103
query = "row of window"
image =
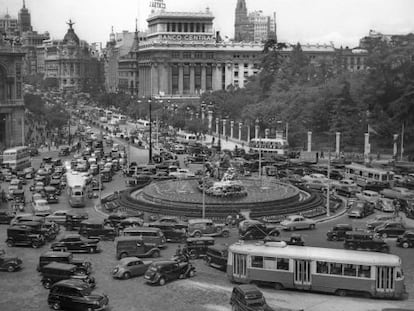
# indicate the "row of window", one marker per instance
pixel 270 263
pixel 335 268
pixel 190 55
pixel 186 27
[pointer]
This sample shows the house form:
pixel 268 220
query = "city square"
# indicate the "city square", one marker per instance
pixel 193 163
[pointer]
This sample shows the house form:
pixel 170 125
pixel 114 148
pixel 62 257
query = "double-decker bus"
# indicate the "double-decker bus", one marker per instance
pixel 269 146
pixel 76 188
pixel 17 158
pixel 338 271
pixel 363 175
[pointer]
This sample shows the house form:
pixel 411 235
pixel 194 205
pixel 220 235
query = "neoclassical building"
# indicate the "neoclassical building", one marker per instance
pixel 11 97
pixel 182 57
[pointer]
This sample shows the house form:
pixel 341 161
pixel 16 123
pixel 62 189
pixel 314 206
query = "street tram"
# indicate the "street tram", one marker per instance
pixel 270 146
pixel 17 158
pixel 363 175
pixel 318 269
pixel 76 188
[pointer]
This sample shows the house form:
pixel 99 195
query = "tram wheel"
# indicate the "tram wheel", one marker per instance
pixel 278 286
pixel 341 292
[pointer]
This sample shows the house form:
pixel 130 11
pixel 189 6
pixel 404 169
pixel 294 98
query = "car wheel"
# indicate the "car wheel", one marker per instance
pixel 197 234
pixel 334 238
pixel 384 235
pixel 10 268
pixel 35 245
pixel 193 254
pixel 191 273
pixel 10 243
pixel 123 255
pixel 225 234
pixel 341 292
pixel 312 226
pixel 156 254
pixel 55 306
pixel 405 245
pixel 47 284
pixel 162 281
pixel 126 275
pixel 92 250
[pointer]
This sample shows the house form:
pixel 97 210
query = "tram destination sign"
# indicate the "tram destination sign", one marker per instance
pixel 187 37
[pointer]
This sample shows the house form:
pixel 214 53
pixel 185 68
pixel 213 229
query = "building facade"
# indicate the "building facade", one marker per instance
pixel 24 19
pixel 243 27
pixel 182 58
pixel 71 63
pixel 11 97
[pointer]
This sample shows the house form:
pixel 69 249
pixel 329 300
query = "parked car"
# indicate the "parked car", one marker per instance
pixel 369 196
pixel 148 235
pixel 197 247
pixel 361 209
pixel 6 217
pixel 248 297
pixel 9 264
pixel 129 246
pixel 83 266
pixel 161 272
pixel 390 229
pixel 206 227
pixel 397 193
pixel 97 229
pixel 406 240
pixel 41 205
pixel 129 267
pixel 76 243
pixel 74 220
pixel 57 271
pixel 38 227
pixel 75 295
pixel 294 222
pixel 18 235
pixel 381 219
pixel 386 205
pixel 316 184
pixel 58 216
pixel 216 256
pixel 338 232
pixel 170 220
pixel 171 233
pixel 359 240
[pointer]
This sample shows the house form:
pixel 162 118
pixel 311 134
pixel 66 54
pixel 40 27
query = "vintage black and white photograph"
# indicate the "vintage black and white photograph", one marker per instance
pixel 207 155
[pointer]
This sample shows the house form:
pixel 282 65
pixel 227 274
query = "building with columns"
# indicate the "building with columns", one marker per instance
pixel 183 58
pixel 11 97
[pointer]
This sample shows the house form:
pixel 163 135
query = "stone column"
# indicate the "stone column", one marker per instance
pixel 309 141
pixel 395 150
pixel 210 120
pixel 240 130
pixel 267 131
pixel 180 79
pixel 192 79
pixel 256 130
pixel 367 146
pixel 154 79
pixel 228 76
pixel 164 78
pixel 204 77
pixel 224 127
pixel 248 133
pixel 338 143
pixel 217 125
pixel 231 128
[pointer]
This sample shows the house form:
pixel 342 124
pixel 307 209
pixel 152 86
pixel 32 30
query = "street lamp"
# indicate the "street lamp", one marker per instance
pixel 150 133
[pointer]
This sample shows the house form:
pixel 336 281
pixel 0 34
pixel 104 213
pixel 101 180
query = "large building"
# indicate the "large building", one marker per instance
pixel 11 97
pixel 9 26
pixel 182 58
pixel 24 19
pixel 254 26
pixel 72 63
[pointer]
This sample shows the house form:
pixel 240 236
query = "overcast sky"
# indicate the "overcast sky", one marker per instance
pixel 343 22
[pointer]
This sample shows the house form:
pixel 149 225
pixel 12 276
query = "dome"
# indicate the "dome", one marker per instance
pixel 71 36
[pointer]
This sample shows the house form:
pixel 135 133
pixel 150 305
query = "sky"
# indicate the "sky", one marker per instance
pixel 342 22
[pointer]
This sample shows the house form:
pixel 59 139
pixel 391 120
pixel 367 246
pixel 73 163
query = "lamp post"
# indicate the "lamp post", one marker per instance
pixel 150 133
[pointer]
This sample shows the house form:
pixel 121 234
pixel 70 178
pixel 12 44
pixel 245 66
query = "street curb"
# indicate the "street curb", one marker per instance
pixel 99 211
pixel 331 217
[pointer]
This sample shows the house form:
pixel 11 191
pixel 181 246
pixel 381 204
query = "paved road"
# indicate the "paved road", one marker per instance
pixel 208 290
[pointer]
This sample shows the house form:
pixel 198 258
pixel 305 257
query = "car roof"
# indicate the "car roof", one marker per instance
pixel 164 262
pixel 60 266
pixel 199 220
pixel 56 254
pixel 127 260
pixel 249 289
pixel 71 235
pixel 203 238
pixel 72 283
pixel 143 229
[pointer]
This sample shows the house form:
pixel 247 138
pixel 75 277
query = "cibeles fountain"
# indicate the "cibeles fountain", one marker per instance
pixel 229 195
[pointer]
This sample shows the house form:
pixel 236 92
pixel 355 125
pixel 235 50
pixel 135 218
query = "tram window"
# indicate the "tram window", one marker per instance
pixel 364 271
pixel 283 264
pixel 350 270
pixel 270 263
pixel 322 267
pixel 399 274
pixel 257 262
pixel 336 268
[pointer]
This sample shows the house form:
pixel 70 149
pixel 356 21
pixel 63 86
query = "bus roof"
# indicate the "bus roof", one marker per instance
pixel 15 149
pixel 318 253
pixel 75 179
pixel 356 166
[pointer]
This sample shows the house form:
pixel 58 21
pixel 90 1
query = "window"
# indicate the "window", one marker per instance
pixel 236 74
pixel 175 55
pixel 257 262
pixel 335 268
pixel 174 82
pixel 282 264
pixel 197 77
pixel 187 55
pixel 209 55
pixel 270 263
pixel 198 55
pixel 322 267
pixel 186 78
pixel 350 270
pixel 209 78
pixel 364 271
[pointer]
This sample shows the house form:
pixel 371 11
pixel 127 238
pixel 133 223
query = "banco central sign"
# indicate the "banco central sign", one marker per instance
pixel 187 37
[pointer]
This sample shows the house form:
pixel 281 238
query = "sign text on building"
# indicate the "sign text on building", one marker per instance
pixel 157 4
pixel 187 37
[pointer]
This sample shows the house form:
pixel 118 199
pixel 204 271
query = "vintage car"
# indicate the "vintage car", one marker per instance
pixel 9 264
pixel 50 195
pixel 390 229
pixel 160 272
pixel 83 266
pixel 22 235
pixel 294 222
pixel 97 229
pixel 359 240
pixel 380 220
pixel 171 233
pixel 76 243
pixel 361 209
pixel 129 246
pixel 338 232
pixel 369 196
pixel 206 227
pixel 248 297
pixel 40 205
pixel 170 220
pixel 39 227
pixel 197 247
pixel 294 239
pixel 397 193
pixel 58 217
pixel 406 240
pixel 74 220
pixel 130 222
pixel 6 217
pixel 129 267
pixel 75 294
pixel 216 256
pixel 57 271
pixel 258 231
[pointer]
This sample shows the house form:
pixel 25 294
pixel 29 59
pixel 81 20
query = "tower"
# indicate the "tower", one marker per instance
pixel 24 19
pixel 243 29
